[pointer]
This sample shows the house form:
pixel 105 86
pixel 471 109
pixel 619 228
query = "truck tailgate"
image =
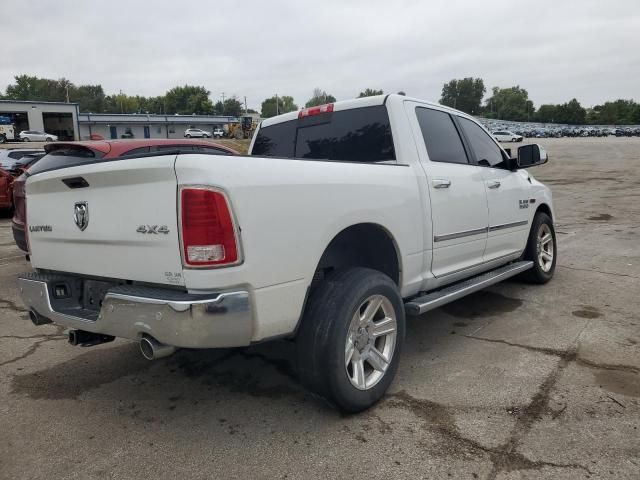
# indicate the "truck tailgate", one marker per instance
pixel 115 219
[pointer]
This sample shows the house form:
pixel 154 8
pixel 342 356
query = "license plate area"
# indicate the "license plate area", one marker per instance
pixel 93 292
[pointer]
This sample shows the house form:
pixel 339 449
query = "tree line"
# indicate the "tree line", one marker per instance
pixel 183 100
pixel 466 94
pixel 513 104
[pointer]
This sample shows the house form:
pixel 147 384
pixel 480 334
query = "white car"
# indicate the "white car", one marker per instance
pixel 36 136
pixel 218 133
pixel 196 133
pixel 507 136
pixel 10 157
pixel 342 219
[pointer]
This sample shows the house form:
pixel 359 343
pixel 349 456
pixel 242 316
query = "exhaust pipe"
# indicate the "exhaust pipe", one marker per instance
pixel 152 349
pixel 88 339
pixel 38 319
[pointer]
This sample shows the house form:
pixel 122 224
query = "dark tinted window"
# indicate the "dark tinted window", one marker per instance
pixel 441 136
pixel 484 147
pixel 137 151
pixel 213 150
pixel 181 148
pixel 64 157
pixel 355 135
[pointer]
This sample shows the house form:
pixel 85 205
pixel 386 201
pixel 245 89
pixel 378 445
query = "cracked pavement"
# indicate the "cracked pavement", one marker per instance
pixel 515 382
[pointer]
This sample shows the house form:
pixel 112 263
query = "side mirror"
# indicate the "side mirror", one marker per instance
pixel 531 155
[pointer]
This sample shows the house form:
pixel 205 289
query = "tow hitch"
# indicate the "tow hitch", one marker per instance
pixel 88 339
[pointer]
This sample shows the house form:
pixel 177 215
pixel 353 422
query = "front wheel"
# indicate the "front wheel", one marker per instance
pixel 26 139
pixel 3 139
pixel 48 139
pixel 541 249
pixel 188 136
pixel 351 337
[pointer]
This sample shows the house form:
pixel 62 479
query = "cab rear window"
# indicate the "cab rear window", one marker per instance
pixel 65 157
pixel 354 135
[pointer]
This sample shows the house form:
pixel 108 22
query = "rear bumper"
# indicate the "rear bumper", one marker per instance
pixel 180 319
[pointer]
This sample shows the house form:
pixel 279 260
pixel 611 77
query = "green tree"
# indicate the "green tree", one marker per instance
pixel 370 92
pixel 232 107
pixel 464 94
pixel 619 112
pixel 547 113
pixel 320 97
pixel 188 100
pixel 285 105
pixel 90 97
pixel 510 104
pixel 572 113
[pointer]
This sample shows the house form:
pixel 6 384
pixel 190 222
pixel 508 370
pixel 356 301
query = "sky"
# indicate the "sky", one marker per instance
pixel 556 50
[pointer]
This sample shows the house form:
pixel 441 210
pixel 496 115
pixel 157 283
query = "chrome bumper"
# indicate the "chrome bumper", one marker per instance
pixel 174 318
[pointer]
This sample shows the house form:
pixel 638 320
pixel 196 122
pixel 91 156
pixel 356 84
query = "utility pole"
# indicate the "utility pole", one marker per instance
pixel 245 104
pixel 222 98
pixel 277 111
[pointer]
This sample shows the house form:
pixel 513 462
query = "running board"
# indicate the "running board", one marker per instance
pixel 437 298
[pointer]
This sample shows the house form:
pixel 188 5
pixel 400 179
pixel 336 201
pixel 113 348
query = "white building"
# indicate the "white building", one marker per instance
pixel 139 125
pixel 58 118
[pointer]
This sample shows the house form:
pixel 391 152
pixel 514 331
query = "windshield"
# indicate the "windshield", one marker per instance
pixel 354 135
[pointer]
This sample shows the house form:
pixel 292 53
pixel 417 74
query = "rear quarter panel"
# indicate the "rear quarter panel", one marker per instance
pixel 288 211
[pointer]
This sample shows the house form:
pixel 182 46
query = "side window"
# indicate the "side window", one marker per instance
pixel 180 148
pixel 488 154
pixel 137 151
pixel 441 136
pixel 213 150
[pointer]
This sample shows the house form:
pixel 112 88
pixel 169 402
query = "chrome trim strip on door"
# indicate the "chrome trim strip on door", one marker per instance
pixel 466 233
pixel 508 225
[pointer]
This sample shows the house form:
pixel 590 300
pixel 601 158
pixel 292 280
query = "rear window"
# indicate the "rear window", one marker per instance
pixel 355 135
pixel 65 157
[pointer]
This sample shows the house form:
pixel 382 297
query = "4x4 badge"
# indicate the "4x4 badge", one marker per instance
pixel 81 215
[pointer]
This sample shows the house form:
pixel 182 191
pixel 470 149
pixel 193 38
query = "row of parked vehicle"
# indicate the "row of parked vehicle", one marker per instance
pixel 513 132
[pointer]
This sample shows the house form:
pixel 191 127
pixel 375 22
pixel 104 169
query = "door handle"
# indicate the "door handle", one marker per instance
pixel 494 184
pixel 441 183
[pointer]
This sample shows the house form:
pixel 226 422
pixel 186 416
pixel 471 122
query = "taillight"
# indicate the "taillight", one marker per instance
pixel 311 111
pixel 208 229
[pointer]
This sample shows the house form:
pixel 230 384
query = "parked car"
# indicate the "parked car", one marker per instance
pixel 73 153
pixel 6 190
pixel 342 218
pixel 507 136
pixel 218 133
pixel 197 133
pixel 10 156
pixel 36 136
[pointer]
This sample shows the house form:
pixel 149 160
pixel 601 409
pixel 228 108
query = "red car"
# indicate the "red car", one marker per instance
pixel 75 153
pixel 6 181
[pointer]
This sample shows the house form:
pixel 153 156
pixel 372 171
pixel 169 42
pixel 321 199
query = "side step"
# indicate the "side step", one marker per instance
pixel 437 298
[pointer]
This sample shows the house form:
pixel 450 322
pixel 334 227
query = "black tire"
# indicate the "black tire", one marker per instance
pixel 538 274
pixel 322 337
pixel 26 139
pixel 188 136
pixel 3 139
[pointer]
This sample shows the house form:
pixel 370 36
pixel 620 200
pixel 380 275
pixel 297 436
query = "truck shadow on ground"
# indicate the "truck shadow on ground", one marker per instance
pixel 266 370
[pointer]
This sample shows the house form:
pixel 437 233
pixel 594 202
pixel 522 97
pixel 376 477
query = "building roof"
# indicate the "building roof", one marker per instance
pixel 38 102
pixel 144 118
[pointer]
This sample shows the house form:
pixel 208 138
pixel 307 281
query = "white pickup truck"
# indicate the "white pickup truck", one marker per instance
pixel 340 219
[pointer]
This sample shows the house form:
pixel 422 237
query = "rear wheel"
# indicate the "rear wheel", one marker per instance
pixel 351 337
pixel 26 139
pixel 541 250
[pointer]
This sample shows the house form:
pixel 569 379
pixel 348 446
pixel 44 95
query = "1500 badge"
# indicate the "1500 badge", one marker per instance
pixel 153 229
